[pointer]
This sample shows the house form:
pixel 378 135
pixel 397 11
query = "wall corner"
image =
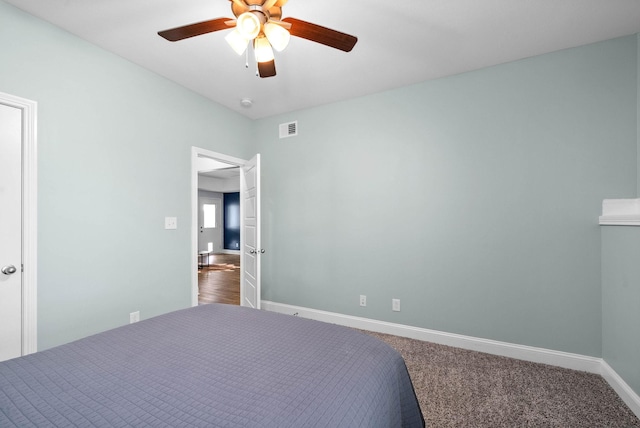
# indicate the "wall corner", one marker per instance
pixel 638 114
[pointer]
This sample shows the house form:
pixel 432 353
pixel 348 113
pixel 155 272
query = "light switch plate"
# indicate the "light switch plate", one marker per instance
pixel 170 222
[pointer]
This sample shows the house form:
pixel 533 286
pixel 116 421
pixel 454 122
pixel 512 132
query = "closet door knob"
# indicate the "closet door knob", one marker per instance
pixel 9 270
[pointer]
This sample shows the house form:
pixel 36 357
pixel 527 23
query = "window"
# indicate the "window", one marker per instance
pixel 209 216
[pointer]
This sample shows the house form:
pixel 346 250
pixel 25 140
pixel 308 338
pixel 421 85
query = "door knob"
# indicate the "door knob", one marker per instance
pixel 8 270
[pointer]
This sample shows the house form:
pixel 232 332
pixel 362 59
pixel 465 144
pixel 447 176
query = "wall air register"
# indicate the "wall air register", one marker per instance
pixel 289 129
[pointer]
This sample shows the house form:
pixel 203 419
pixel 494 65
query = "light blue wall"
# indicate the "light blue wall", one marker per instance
pixel 114 160
pixel 621 288
pixel 621 301
pixel 474 199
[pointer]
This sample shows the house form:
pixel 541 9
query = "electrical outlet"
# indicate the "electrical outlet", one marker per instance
pixel 395 305
pixel 134 317
pixel 363 300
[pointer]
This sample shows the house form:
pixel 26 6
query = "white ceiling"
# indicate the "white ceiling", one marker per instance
pixel 216 169
pixel 400 43
pixel 222 174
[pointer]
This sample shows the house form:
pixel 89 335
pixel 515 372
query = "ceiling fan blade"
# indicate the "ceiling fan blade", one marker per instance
pixel 322 35
pixel 191 30
pixel 240 6
pixel 281 3
pixel 268 4
pixel 267 69
pixel 284 25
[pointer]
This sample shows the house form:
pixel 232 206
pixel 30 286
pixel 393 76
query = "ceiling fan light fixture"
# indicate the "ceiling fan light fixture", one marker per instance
pixel 260 21
pixel 278 37
pixel 262 49
pixel 237 42
pixel 249 24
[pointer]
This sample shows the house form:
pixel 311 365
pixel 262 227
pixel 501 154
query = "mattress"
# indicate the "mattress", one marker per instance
pixel 212 366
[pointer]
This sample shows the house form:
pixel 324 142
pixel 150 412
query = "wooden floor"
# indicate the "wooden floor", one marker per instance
pixel 220 281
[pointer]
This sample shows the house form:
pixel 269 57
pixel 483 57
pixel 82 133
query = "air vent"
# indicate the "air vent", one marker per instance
pixel 289 129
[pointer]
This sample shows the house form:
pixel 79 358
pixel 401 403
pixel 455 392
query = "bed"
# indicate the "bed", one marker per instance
pixel 213 366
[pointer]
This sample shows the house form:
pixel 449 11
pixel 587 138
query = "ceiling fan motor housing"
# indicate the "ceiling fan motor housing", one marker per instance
pixel 274 12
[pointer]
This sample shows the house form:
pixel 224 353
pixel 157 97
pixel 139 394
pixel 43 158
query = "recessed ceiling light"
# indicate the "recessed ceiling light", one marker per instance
pixel 246 102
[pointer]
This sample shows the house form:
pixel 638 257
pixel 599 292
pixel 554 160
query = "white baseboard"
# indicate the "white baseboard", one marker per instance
pixel 505 349
pixel 618 384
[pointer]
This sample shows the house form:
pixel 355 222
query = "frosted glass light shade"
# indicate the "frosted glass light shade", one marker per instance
pixel 237 42
pixel 263 50
pixel 278 36
pixel 249 24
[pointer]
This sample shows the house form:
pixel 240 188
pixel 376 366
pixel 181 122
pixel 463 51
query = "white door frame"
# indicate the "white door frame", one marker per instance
pixel 195 153
pixel 29 219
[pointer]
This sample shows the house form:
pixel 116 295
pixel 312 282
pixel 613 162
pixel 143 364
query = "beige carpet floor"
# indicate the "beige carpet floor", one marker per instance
pixel 461 388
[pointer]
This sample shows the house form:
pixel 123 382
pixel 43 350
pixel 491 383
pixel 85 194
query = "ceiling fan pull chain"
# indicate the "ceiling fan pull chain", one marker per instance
pixel 246 58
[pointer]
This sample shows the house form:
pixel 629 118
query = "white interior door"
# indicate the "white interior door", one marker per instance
pixel 250 234
pixel 10 232
pixel 210 224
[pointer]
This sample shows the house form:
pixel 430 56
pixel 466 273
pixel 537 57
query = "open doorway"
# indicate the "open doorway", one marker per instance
pixel 219 234
pixel 244 243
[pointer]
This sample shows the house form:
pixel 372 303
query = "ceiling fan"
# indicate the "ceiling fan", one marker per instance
pixel 259 22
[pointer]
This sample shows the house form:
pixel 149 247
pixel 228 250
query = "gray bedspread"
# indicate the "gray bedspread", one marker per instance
pixel 212 366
